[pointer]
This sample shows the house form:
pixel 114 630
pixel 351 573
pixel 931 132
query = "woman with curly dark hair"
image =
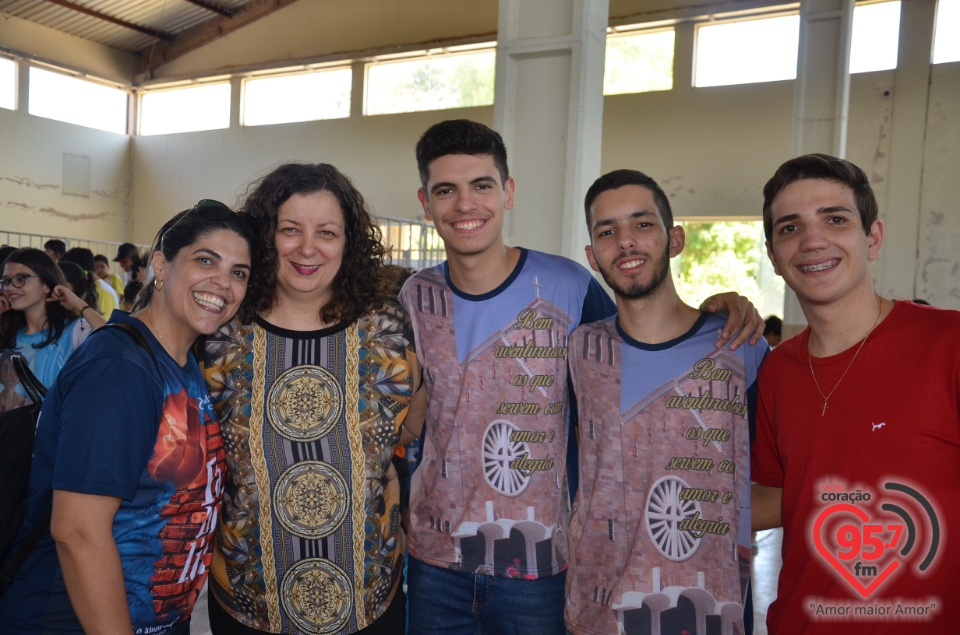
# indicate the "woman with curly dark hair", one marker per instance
pixel 312 384
pixel 351 289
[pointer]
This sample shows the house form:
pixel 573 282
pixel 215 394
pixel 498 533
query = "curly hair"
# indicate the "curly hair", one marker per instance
pixel 57 317
pixel 361 283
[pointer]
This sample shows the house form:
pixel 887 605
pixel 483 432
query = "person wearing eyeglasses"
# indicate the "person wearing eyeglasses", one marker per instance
pixel 313 383
pixel 40 316
pixel 132 492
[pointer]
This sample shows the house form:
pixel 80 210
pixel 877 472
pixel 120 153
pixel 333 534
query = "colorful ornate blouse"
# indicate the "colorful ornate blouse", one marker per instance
pixel 310 537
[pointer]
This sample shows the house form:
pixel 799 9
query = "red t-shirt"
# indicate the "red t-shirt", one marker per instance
pixel 885 454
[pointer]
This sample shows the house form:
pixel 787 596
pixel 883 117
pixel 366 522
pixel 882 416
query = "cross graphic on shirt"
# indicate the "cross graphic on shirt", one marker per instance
pixel 536 283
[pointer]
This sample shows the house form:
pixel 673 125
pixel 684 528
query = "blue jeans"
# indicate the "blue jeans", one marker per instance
pixel 447 602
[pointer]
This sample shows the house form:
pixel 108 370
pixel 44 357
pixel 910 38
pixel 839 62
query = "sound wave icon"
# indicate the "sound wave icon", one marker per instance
pixel 908 521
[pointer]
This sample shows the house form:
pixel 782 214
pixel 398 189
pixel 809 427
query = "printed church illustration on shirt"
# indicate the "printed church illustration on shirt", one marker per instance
pixel 658 517
pixel 503 463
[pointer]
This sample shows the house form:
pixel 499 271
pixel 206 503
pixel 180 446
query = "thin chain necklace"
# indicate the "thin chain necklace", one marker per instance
pixel 826 397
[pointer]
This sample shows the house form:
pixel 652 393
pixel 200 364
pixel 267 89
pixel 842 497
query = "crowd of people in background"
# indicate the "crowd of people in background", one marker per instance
pixel 53 298
pixel 267 367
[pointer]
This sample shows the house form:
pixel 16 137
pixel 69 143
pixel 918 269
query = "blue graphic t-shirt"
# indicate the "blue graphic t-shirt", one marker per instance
pixel 160 452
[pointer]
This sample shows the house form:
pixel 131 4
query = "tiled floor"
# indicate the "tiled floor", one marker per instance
pixel 199 624
pixel 766 569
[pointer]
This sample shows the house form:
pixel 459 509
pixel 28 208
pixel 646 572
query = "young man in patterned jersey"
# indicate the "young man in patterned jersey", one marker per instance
pixel 660 533
pixel 489 502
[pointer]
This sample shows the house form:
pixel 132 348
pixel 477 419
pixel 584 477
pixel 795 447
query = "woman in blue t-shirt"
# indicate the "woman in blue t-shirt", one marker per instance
pixel 40 316
pixel 135 487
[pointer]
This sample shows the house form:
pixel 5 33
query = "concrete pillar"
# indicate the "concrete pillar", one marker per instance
pixel 821 95
pixel 23 86
pixel 684 43
pixel 357 88
pixel 911 94
pixel 821 98
pixel 549 109
pixel 236 101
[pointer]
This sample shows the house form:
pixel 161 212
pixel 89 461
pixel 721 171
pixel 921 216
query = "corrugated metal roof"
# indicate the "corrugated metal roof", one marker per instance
pixel 167 17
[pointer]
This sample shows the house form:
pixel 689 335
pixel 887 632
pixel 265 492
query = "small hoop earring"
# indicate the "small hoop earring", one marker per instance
pixel 157 284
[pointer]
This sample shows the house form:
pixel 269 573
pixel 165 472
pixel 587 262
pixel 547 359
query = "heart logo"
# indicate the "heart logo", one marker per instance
pixel 881 577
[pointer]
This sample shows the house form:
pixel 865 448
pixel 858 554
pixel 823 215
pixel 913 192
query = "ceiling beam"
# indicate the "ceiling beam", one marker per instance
pixel 215 8
pixel 156 55
pixel 166 37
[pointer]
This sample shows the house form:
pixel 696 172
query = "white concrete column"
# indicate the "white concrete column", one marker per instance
pixel 821 95
pixel 133 112
pixel 358 86
pixel 549 109
pixel 898 269
pixel 236 101
pixel 684 43
pixel 23 85
pixel 821 98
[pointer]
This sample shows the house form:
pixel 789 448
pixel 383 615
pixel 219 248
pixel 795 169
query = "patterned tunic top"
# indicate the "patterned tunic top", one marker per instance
pixel 309 538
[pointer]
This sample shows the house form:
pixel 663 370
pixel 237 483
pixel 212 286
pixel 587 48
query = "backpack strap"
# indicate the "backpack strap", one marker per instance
pixel 36 391
pixel 23 550
pixel 137 336
pixel 31 385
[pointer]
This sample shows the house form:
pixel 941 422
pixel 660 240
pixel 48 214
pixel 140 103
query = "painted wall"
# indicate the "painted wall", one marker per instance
pixel 53 46
pixel 32 198
pixel 41 156
pixel 938 270
pixel 376 152
pixel 712 148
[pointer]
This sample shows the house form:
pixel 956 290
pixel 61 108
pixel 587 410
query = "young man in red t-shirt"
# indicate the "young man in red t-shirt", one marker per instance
pixel 857 453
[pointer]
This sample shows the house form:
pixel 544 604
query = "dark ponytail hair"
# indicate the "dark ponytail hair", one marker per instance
pixel 83 258
pixel 79 281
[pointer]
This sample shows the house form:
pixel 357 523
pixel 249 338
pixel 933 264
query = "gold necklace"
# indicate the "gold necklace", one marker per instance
pixel 826 397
